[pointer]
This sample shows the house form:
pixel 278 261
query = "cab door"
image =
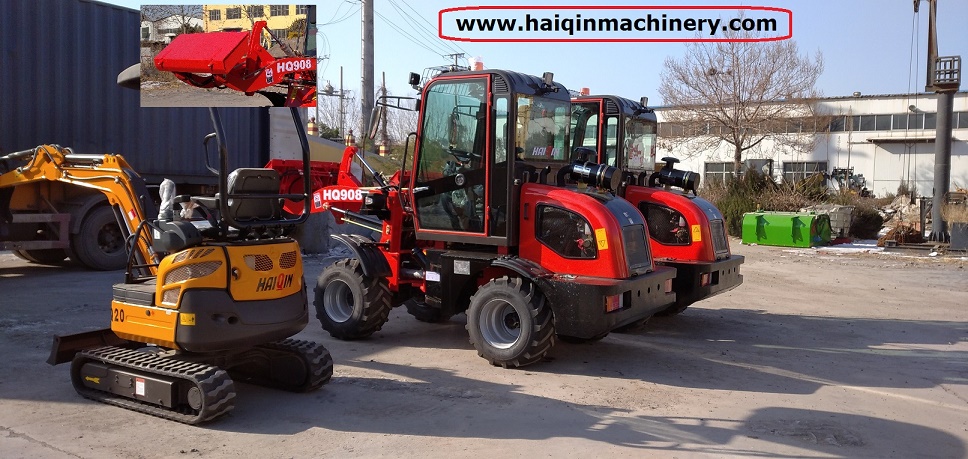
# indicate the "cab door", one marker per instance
pixel 451 171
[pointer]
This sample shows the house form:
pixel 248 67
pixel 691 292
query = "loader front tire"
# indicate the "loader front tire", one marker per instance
pixel 509 323
pixel 348 304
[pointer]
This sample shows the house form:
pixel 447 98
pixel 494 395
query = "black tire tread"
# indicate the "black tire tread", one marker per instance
pixel 42 256
pixel 376 302
pixel 84 244
pixel 543 338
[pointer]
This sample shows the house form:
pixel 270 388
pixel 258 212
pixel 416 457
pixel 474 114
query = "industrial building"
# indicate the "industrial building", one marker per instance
pixel 887 139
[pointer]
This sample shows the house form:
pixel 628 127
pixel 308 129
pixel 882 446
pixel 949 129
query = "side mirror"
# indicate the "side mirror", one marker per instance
pixel 375 116
pixel 130 77
pixel 414 80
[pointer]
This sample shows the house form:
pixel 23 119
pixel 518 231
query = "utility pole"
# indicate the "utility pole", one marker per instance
pixel 342 94
pixel 383 132
pixel 366 91
pixel 944 79
pixel 455 56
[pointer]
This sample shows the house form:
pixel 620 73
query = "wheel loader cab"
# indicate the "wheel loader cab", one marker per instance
pixel 621 131
pixel 474 128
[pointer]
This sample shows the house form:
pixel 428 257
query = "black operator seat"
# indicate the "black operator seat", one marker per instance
pixel 263 204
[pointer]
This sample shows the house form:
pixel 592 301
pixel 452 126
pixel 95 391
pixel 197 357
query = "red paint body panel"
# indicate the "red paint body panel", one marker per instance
pixel 321 174
pixel 701 250
pixel 214 52
pixel 611 262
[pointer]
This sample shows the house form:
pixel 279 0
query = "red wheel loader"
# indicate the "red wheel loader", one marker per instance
pixel 472 227
pixel 685 231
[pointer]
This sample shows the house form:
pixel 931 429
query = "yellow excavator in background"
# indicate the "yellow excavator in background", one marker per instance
pixel 51 174
pixel 204 301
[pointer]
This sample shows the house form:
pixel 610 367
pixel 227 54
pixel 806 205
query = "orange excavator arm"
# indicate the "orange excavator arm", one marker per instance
pixel 108 174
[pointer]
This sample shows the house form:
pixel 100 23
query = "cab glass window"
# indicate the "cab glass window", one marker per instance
pixel 451 166
pixel 640 145
pixel 542 128
pixel 666 225
pixel 566 233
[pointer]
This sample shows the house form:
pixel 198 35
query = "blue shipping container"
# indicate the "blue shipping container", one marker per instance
pixel 61 59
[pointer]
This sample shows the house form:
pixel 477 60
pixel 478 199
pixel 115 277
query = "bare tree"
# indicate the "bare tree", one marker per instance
pixel 742 93
pixel 329 113
pixel 179 15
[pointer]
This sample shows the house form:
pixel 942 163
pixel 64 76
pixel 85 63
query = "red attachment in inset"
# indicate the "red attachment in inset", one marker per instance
pixel 215 52
pixel 237 60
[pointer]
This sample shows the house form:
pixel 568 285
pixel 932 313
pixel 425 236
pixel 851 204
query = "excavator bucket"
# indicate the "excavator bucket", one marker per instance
pixel 214 52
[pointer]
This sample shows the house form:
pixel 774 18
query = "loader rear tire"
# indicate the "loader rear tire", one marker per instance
pixel 100 243
pixel 350 305
pixel 509 323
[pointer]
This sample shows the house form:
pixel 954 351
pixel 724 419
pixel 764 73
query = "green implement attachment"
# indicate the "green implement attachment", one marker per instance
pixel 786 229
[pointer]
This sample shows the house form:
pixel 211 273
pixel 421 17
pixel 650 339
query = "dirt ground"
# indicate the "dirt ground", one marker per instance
pixel 178 94
pixel 821 353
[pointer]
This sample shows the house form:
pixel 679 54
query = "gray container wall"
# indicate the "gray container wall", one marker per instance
pixel 60 60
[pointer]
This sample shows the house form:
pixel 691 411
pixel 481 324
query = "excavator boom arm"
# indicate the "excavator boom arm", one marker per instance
pixel 109 174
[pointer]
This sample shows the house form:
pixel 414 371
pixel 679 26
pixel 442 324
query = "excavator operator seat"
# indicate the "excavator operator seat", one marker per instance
pixel 254 182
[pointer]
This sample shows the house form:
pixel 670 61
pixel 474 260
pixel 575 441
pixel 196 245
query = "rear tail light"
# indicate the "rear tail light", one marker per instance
pixel 668 285
pixel 704 279
pixel 613 302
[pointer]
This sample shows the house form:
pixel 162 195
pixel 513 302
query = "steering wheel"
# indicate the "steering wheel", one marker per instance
pixel 464 156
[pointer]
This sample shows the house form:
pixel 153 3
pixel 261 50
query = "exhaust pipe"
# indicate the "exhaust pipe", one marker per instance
pixel 597 175
pixel 670 176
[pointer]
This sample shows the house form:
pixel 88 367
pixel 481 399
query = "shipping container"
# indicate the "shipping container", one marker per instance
pixel 60 61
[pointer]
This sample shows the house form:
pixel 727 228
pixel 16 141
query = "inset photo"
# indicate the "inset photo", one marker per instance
pixel 228 55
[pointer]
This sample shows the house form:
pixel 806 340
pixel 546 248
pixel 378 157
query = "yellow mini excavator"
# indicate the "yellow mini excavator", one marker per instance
pixel 205 300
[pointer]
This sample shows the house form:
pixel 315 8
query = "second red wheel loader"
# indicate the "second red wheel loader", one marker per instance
pixel 685 231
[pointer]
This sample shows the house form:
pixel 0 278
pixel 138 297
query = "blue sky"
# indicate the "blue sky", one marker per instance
pixel 866 44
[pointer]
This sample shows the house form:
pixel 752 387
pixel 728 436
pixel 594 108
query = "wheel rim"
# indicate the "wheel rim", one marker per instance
pixel 109 239
pixel 338 301
pixel 500 324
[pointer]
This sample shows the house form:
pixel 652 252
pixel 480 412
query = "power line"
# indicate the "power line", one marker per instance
pixel 427 43
pixel 433 28
pixel 346 16
pixel 413 39
pixel 421 29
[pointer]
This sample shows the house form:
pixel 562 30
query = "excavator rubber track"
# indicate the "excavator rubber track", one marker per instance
pixel 290 365
pixel 209 390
